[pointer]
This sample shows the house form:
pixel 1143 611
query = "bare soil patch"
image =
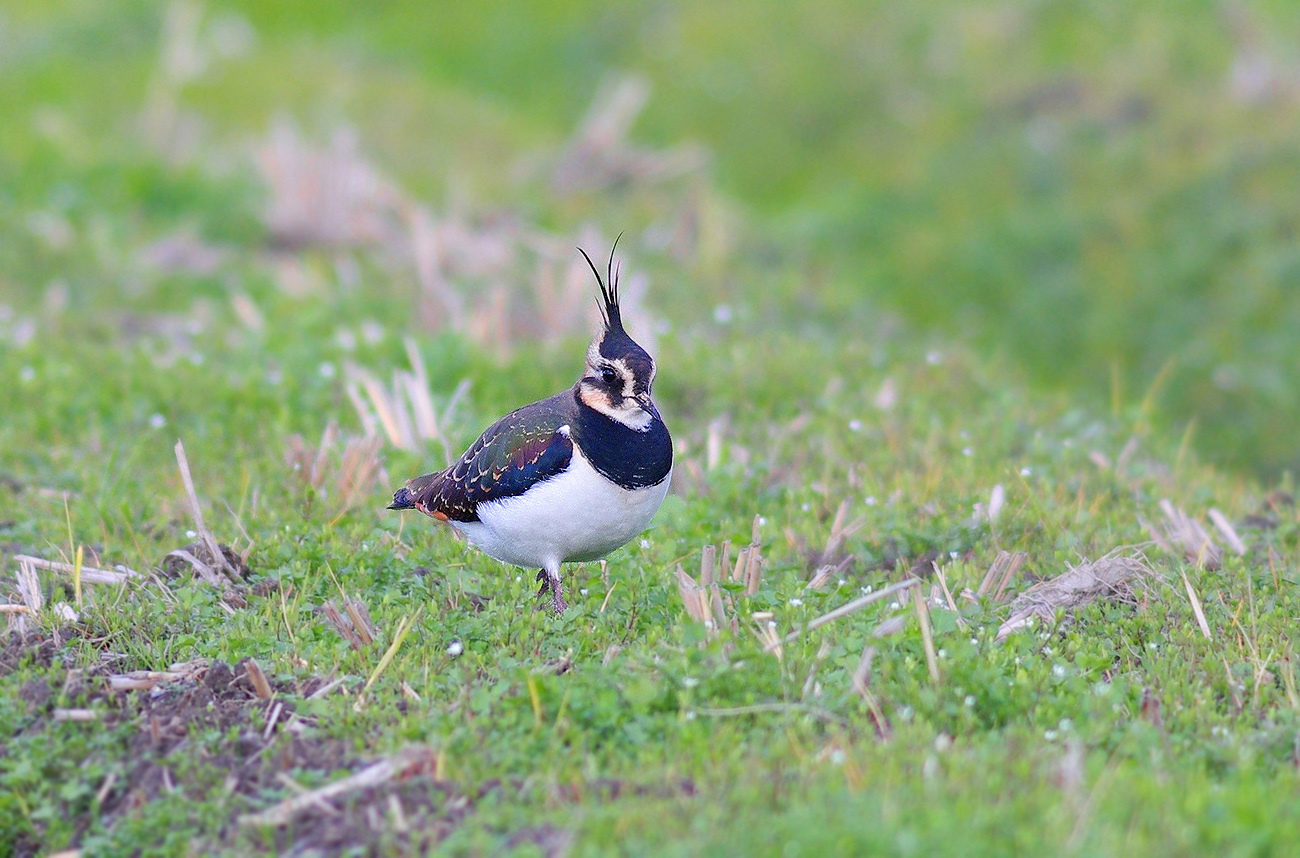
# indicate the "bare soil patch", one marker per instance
pixel 218 727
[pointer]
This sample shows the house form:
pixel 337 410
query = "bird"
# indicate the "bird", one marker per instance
pixel 565 479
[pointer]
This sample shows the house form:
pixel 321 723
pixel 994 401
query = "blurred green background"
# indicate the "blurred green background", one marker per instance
pixel 1104 194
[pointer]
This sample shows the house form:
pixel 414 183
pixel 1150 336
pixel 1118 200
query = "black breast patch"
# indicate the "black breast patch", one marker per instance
pixel 623 455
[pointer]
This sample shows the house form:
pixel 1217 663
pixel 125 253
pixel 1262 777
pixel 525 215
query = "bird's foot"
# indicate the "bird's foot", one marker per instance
pixel 552 586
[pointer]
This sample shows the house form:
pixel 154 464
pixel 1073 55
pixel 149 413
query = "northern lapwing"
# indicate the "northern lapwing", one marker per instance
pixel 565 479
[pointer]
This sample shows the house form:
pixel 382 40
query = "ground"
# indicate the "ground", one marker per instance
pixel 903 598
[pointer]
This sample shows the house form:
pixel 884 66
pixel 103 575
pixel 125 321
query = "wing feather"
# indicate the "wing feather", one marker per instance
pixel 513 454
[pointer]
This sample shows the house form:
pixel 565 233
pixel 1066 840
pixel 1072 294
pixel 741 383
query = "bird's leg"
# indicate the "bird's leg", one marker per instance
pixel 557 594
pixel 551 583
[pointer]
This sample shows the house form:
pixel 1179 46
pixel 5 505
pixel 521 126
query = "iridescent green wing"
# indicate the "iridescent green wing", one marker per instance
pixel 514 454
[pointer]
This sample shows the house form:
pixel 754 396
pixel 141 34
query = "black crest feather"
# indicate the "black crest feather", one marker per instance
pixel 608 301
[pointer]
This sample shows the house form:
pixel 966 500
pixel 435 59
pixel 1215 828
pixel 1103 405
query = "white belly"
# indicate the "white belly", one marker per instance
pixel 576 515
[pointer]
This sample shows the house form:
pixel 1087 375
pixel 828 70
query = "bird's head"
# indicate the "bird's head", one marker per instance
pixel 619 373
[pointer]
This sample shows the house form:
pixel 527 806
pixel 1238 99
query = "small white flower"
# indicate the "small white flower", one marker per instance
pixel 943 653
pixel 967 451
pixel 371 331
pixel 645 545
pixel 189 534
pixel 690 715
pixel 689 682
pixel 1025 472
pixel 26 374
pixel 969 700
pixel 806 507
pixel 326 369
pixel 455 648
pixel 894 606
pixel 855 425
pixel 933 357
pixel 1065 726
pixel 1058 670
pixel 871 500
pixel 974 642
pixel 583 591
pixel 1050 735
pixel 794 603
pixel 722 314
pixel 837 757
pixel 157 421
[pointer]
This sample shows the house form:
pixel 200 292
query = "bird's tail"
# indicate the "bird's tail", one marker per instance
pixel 402 499
pixel 408 495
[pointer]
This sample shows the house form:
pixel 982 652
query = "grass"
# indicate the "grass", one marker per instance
pixel 147 299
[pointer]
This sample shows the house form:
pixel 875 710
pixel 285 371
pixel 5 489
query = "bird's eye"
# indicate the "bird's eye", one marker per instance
pixel 609 375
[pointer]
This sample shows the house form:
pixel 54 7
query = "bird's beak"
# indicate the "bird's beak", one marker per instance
pixel 646 405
